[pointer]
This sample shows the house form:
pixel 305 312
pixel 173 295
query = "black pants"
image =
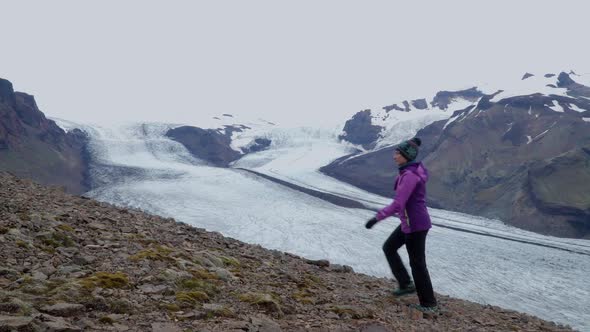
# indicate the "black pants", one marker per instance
pixel 416 246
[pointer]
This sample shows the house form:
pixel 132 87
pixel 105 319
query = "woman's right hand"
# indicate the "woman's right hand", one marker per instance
pixel 371 223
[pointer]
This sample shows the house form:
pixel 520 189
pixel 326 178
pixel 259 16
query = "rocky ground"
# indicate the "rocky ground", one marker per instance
pixel 69 263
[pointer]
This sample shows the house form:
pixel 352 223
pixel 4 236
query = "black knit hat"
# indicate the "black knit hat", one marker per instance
pixel 409 149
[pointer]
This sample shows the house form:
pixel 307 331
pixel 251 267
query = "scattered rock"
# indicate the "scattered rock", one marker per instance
pixel 56 324
pixel 223 274
pixel 153 289
pixel 64 309
pixel 320 262
pixel 11 323
pixel 263 323
pixel 39 276
pixel 165 327
pixel 375 327
pixel 341 268
pixel 186 279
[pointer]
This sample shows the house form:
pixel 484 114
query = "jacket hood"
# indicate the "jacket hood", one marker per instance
pixel 418 169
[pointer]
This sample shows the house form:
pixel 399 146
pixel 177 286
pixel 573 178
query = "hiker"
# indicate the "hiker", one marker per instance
pixel 410 206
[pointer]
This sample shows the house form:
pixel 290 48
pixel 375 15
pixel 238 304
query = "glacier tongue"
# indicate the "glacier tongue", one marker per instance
pixel 469 257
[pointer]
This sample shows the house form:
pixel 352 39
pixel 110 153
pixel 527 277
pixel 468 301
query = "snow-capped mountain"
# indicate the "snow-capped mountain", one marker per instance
pixel 521 154
pixel 377 128
pixel 374 129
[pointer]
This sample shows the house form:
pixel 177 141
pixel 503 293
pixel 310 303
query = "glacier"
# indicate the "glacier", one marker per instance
pixel 469 257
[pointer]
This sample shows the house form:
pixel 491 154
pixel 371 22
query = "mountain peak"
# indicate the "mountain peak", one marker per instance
pixel 6 92
pixel 564 80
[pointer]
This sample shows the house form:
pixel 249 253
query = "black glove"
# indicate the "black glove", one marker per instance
pixel 371 222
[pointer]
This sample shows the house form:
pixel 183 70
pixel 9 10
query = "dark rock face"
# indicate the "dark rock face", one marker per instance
pixel 559 186
pixel 574 89
pixel 34 147
pixel 496 149
pixel 360 130
pixel 376 171
pixel 420 104
pixel 206 144
pixel 549 75
pixel 259 144
pixel 527 75
pixel 515 159
pixel 214 145
pixel 443 98
pixel 395 107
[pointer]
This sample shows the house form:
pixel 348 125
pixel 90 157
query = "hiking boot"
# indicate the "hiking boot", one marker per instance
pixel 426 310
pixel 409 289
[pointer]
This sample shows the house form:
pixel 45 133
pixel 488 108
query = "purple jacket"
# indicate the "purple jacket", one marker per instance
pixel 410 199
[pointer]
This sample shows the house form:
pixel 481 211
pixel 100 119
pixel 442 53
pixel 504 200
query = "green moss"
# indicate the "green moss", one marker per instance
pixel 119 307
pixel 106 320
pixel 303 297
pixel 24 216
pixel 309 280
pixel 58 240
pixel 194 284
pixel 342 311
pixel 203 274
pixel 158 253
pixel 172 307
pixel 262 299
pixel 66 228
pixel 27 280
pixel 222 312
pixel 191 298
pixel 314 278
pixel 105 280
pixel 140 238
pixel 49 250
pixel 22 244
pixel 57 286
pixel 230 261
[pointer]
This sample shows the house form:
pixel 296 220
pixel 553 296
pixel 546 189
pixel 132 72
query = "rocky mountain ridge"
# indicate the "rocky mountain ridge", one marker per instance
pixel 377 128
pixel 497 158
pixel 226 143
pixel 35 147
pixel 74 264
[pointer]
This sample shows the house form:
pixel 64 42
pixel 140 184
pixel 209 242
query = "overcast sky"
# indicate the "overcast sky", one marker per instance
pixel 289 62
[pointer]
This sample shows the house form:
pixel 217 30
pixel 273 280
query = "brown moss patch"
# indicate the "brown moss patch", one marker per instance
pixel 106 320
pixel 230 261
pixel 157 253
pixel 203 274
pixel 66 228
pixel 191 298
pixel 56 240
pixel 193 284
pixel 105 280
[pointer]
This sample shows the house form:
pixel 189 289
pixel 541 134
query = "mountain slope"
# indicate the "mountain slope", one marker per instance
pixel 35 147
pixel 75 264
pixel 487 159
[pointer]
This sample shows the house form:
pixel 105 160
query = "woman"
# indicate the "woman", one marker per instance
pixel 410 206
